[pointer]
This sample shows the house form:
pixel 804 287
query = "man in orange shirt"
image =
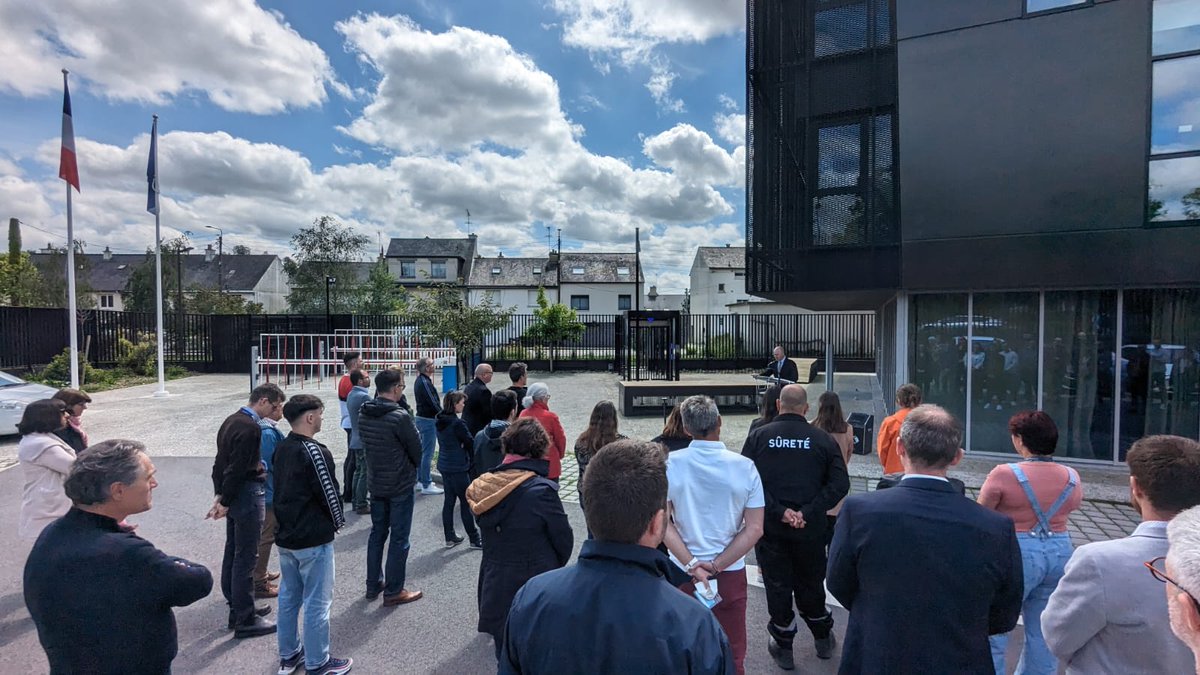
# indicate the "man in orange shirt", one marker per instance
pixel 908 396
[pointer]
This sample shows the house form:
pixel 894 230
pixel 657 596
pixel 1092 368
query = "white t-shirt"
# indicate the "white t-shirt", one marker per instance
pixel 709 487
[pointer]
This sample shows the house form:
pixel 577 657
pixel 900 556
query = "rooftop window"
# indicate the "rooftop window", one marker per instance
pixel 623 271
pixel 576 270
pixel 537 269
pixel 495 270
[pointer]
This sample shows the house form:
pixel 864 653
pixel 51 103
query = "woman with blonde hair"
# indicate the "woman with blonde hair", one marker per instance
pixel 673 437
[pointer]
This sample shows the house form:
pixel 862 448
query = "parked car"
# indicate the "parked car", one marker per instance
pixel 15 394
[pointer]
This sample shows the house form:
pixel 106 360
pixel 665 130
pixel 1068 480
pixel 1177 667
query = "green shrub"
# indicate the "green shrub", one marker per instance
pixel 722 347
pixel 139 358
pixel 58 371
pixel 513 353
pixel 176 372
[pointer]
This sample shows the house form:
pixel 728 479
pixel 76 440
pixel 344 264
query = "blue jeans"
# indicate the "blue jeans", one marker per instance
pixel 308 581
pixel 1044 560
pixel 389 516
pixel 427 428
pixel 359 489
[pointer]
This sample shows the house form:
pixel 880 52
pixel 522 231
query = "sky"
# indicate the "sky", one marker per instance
pixel 593 116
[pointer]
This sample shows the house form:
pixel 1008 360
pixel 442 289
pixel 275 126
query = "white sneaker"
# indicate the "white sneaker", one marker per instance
pixel 417 488
pixel 432 489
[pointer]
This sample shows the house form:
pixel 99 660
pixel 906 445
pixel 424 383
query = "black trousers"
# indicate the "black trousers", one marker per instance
pixel 243 525
pixel 348 473
pixel 456 483
pixel 795 568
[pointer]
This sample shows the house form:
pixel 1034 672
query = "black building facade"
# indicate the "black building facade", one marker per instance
pixel 1013 185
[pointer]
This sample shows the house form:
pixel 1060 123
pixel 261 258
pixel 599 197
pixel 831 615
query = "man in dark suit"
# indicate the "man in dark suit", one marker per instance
pixel 926 574
pixel 478 410
pixel 782 367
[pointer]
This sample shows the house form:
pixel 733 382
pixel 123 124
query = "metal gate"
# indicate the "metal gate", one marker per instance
pixel 648 342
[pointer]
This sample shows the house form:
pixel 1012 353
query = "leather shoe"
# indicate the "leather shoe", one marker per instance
pixel 267 590
pixel 273 576
pixel 402 598
pixel 261 610
pixel 257 627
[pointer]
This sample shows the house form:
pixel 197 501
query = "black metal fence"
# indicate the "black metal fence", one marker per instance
pixel 31 337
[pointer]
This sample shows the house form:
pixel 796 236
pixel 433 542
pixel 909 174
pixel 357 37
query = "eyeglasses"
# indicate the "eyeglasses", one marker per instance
pixel 1161 575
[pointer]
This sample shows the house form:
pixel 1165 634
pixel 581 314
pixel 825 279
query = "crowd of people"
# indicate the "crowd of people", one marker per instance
pixel 932 582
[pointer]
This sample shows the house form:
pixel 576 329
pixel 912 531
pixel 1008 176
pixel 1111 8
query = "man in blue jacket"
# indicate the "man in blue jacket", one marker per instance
pixel 271 435
pixel 616 597
pixel 926 574
pixel 100 595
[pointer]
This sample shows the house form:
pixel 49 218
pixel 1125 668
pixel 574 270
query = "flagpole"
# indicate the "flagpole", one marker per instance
pixel 158 295
pixel 72 317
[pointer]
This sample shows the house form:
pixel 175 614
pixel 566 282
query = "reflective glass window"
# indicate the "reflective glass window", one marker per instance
pixel 1043 5
pixel 1004 366
pixel 1176 26
pixel 937 351
pixel 1174 189
pixel 1078 378
pixel 1175 112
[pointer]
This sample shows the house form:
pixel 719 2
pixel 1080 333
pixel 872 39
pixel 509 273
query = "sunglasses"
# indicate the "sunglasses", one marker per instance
pixel 1161 575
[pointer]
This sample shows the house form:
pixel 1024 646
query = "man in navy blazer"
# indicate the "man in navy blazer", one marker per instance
pixel 926 574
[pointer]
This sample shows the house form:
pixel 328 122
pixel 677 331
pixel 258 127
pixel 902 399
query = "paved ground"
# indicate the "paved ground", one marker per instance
pixel 435 635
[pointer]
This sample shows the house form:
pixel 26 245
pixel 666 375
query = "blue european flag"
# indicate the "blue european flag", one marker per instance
pixel 152 171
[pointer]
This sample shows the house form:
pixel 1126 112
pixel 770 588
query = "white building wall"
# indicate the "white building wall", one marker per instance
pixel 272 289
pixel 524 299
pixel 712 290
pixel 423 268
pixel 602 298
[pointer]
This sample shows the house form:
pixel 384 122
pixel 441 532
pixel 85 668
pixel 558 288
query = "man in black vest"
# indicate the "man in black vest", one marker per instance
pixel 803 476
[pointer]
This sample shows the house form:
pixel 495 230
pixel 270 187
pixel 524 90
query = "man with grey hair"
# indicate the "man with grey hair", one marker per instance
pixel 428 407
pixel 100 595
pixel 716 499
pixel 1182 577
pixel 478 410
pixel 922 551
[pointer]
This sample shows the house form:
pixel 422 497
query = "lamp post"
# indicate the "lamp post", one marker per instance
pixel 180 333
pixel 329 281
pixel 220 258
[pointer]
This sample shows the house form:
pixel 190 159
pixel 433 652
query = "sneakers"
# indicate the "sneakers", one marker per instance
pixel 825 646
pixel 477 544
pixel 289 665
pixel 333 667
pixel 782 655
pixel 432 489
pixel 418 488
pixel 454 541
pixel 402 598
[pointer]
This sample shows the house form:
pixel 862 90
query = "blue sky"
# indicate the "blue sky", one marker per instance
pixel 594 116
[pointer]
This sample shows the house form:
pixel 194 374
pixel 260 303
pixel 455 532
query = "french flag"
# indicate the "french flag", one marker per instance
pixel 68 168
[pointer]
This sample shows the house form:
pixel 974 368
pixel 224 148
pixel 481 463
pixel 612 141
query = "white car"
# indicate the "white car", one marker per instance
pixel 15 394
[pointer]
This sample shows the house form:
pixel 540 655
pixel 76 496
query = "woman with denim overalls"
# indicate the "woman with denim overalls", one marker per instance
pixel 1038 495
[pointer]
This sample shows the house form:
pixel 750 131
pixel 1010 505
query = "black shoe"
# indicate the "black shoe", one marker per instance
pixel 334 667
pixel 256 628
pixel 290 665
pixel 454 541
pixel 373 593
pixel 825 646
pixel 261 610
pixel 477 544
pixel 782 655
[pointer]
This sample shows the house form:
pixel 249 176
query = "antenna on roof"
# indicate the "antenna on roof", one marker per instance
pixel 468 220
pixel 549 242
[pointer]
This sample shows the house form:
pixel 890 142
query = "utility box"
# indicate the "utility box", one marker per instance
pixel 864 432
pixel 450 379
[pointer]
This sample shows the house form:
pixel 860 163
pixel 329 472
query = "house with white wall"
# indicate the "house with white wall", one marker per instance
pixel 718 285
pixel 424 261
pixel 589 283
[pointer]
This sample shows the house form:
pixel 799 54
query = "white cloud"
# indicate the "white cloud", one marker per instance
pixel 659 85
pixel 727 102
pixel 731 127
pixel 241 56
pixel 692 155
pixel 451 90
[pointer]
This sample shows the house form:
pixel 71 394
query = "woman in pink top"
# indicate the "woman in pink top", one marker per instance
pixel 1038 495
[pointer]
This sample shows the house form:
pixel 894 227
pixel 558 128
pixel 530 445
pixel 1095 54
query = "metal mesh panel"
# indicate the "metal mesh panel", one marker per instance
pixel 883 205
pixel 838 30
pixel 838 156
pixel 838 220
pixel 883 22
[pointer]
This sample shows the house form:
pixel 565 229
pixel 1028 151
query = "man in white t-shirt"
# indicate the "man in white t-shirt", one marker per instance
pixel 716 499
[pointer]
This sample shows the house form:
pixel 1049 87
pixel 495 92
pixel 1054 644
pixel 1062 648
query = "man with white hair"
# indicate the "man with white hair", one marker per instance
pixel 716 499
pixel 478 410
pixel 1182 577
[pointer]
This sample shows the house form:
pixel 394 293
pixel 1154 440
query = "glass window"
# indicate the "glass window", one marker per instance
pixel 624 302
pixel 838 220
pixel 884 212
pixel 1176 26
pixel 532 298
pixel 937 351
pixel 838 156
pixel 495 270
pixel 1078 379
pixel 581 303
pixel 408 269
pixel 1175 113
pixel 537 270
pixel 623 271
pixel 1174 189
pixel 1043 5
pixel 1004 363
pixel 1160 364
pixel 839 30
pixel 576 270
pixel 437 269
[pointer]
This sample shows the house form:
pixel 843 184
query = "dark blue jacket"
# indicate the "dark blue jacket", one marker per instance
pixel 612 612
pixel 101 597
pixel 927 575
pixel 271 435
pixel 524 534
pixel 455 444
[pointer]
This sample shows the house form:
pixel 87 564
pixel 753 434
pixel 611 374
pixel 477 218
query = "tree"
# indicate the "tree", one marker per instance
pixel 22 281
pixel 381 295
pixel 1191 204
pixel 54 280
pixel 211 301
pixel 326 249
pixel 554 324
pixel 241 249
pixel 442 314
pixel 139 289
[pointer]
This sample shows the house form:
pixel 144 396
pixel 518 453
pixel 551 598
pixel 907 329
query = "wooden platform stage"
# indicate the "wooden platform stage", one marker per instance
pixel 737 391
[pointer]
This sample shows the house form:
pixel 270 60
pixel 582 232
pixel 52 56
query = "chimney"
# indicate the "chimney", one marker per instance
pixel 107 253
pixel 653 293
pixel 500 255
pixel 726 245
pixel 209 253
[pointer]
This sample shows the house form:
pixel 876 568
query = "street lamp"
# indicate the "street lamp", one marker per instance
pixel 329 281
pixel 220 258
